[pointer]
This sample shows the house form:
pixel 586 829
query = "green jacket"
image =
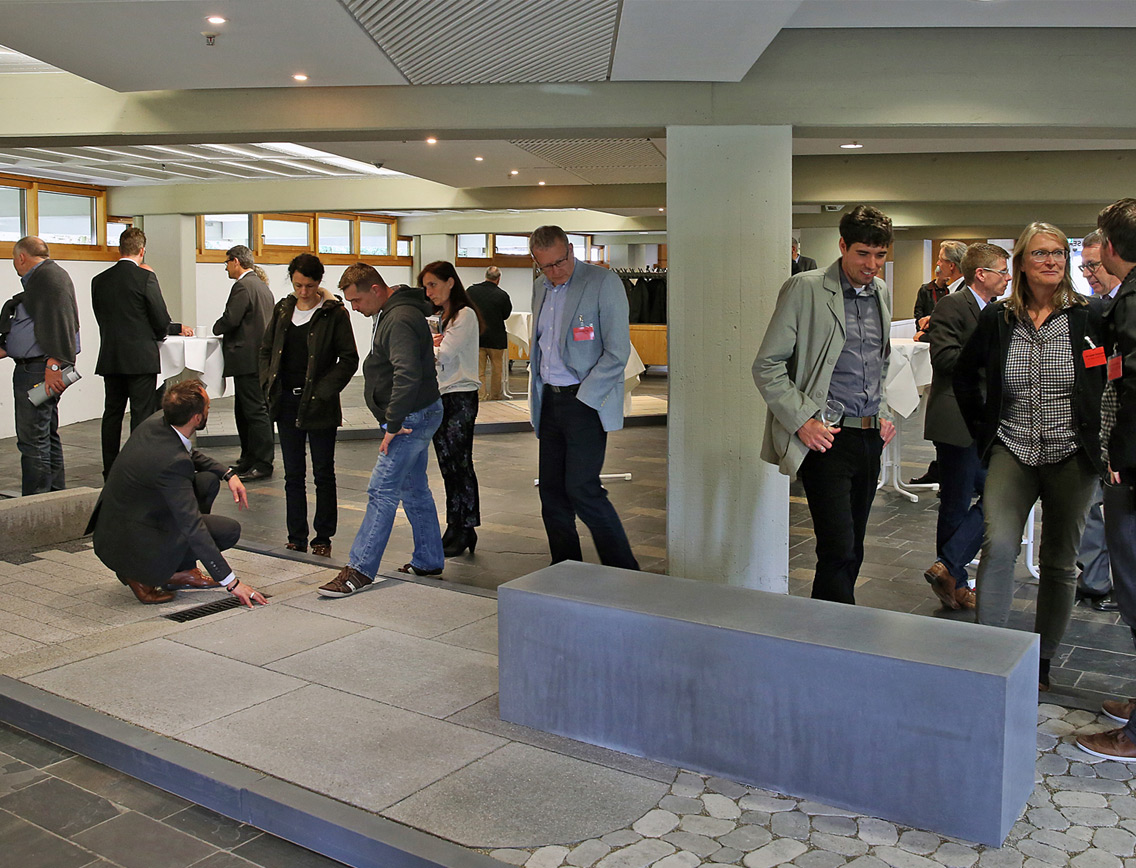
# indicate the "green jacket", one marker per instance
pixel 794 366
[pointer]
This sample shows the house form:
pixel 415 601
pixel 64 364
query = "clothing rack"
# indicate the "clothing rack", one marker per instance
pixel 641 272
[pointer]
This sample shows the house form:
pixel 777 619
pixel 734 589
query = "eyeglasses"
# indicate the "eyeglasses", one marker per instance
pixel 552 266
pixel 1042 255
pixel 1005 272
pixel 1089 266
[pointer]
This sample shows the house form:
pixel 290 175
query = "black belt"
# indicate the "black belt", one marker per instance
pixel 863 422
pixel 564 390
pixel 30 360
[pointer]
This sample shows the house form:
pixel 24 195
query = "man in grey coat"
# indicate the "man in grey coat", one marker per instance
pixel 828 344
pixel 241 328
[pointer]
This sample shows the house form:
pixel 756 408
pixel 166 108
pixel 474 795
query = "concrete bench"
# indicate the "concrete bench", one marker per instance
pixel 926 722
pixel 40 520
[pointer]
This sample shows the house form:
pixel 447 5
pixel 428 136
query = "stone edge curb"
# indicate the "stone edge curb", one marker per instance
pixel 350 835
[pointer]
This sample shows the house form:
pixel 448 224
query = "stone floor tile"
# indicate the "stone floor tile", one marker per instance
pixel 212 828
pixel 277 631
pixel 726 856
pixel 819 859
pixel 711 827
pixel 512 856
pixel 15 775
pixel 1072 798
pixel 688 785
pixel 220 859
pixel 680 859
pixel 1088 785
pixel 769 804
pixel 28 846
pixel 655 824
pixel 850 847
pixel 898 858
pixel 827 810
pixel 1125 806
pixel 955 855
pixel 774 853
pixel 791 824
pixel 835 825
pixel 746 838
pixel 1092 817
pixel 721 807
pixel 504 800
pixel 271 852
pixel 1002 857
pixel 586 853
pixel 119 788
pixel 1115 841
pixel 135 841
pixel 699 845
pixel 412 673
pixel 1115 771
pixel 551 856
pixel 1052 764
pixel 353 749
pixel 729 789
pixel 59 807
pixel 638 855
pixel 681 804
pixel 1095 859
pixel 1060 840
pixel 755 818
pixel 28 749
pixel 479 636
pixel 1037 850
pixel 165 685
pixel 621 838
pixel 874 831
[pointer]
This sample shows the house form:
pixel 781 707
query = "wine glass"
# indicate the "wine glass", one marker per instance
pixel 832 413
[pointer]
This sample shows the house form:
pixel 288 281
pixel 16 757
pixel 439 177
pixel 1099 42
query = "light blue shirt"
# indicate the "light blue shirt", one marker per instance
pixel 981 301
pixel 549 324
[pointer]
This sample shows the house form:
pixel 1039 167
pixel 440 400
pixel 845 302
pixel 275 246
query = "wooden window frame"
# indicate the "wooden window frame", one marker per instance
pixel 32 187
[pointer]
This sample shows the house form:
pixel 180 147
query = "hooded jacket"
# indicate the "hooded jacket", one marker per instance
pixel 398 374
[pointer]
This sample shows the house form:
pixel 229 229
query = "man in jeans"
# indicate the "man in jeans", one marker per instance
pixel 401 388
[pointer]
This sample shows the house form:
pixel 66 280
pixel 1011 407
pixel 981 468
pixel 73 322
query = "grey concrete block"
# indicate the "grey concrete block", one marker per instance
pixel 39 520
pixel 793 695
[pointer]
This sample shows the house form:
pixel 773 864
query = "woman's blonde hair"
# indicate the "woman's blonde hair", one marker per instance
pixel 1017 305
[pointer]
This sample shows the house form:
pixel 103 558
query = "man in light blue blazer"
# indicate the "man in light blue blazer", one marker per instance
pixel 578 353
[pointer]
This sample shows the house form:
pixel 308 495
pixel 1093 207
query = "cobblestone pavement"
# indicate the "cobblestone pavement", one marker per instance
pixel 1082 813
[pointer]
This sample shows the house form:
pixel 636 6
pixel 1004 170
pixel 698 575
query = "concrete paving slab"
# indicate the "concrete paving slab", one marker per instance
pixel 275 632
pixel 417 610
pixel 478 636
pixel 522 796
pixel 163 685
pixel 360 751
pixel 416 674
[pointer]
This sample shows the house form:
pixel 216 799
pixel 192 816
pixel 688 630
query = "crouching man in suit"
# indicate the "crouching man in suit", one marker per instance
pixel 152 521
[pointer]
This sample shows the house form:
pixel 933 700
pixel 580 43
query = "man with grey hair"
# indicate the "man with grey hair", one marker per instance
pixel 801 263
pixel 241 328
pixel 496 307
pixel 39 330
pixel 581 340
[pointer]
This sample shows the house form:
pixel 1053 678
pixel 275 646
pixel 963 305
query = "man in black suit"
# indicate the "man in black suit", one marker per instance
pixel 39 330
pixel 132 318
pixel 152 521
pixel 241 328
pixel 801 263
pixel 959 532
pixel 495 306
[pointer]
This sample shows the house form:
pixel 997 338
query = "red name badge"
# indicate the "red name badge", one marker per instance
pixel 1094 358
pixel 583 333
pixel 1115 367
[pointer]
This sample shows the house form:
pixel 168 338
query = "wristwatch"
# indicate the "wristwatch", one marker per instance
pixel 53 367
pixel 228 474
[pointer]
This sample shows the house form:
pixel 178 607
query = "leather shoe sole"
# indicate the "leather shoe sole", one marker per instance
pixel 942 583
pixel 149 595
pixel 191 579
pixel 1114 745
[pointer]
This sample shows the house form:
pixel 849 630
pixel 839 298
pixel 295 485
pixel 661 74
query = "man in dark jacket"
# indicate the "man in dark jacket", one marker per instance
pixel 132 318
pixel 401 388
pixel 495 306
pixel 41 334
pixel 241 328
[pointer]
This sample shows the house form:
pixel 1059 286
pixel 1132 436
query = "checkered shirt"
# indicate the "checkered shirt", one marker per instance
pixel 1110 404
pixel 1037 420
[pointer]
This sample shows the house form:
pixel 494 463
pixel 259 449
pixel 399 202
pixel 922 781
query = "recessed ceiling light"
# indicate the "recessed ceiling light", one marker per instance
pixel 540 183
pixel 661 210
pixel 514 172
pixel 217 19
pixel 479 159
pixel 431 141
pixel 851 146
pixel 299 76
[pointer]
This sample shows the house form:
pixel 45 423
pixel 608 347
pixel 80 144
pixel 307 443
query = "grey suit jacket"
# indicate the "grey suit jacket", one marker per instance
pixel 953 321
pixel 595 298
pixel 794 365
pixel 243 324
pixel 147 516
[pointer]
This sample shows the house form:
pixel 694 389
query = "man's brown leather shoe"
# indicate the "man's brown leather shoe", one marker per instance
pixel 1114 745
pixel 966 598
pixel 191 579
pixel 1119 710
pixel 942 583
pixel 149 595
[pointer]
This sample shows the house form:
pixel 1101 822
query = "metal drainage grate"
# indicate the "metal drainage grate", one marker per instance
pixel 205 610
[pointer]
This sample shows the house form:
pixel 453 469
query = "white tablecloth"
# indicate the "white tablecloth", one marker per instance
pixel 518 327
pixel 201 356
pixel 908 370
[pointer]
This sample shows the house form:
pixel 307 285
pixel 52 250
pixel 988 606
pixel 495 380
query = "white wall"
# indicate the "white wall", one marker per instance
pixel 518 282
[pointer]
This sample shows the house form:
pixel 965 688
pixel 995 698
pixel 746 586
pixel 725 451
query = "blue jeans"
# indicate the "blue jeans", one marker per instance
pixel 960 526
pixel 37 433
pixel 400 475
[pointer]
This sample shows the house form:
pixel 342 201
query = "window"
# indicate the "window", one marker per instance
pixel 596 254
pixel 12 225
pixel 580 245
pixel 66 218
pixel 405 246
pixel 473 246
pixel 223 231
pixel 286 233
pixel 115 228
pixel 511 245
pixel 374 238
pixel 335 235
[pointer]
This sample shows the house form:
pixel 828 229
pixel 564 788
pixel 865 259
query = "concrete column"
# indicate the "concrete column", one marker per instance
pixel 431 248
pixel 729 216
pixel 171 250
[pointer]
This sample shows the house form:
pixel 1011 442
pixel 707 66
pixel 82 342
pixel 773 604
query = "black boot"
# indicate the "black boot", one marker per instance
pixel 1042 674
pixel 450 535
pixel 464 538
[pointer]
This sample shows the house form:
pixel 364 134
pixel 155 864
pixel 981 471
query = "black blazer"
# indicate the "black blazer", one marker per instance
pixel 1120 337
pixel 242 325
pixel 986 352
pixel 953 321
pixel 803 263
pixel 132 318
pixel 495 306
pixel 147 516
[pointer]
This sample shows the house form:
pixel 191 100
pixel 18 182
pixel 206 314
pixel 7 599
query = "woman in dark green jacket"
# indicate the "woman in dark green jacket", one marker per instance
pixel 307 357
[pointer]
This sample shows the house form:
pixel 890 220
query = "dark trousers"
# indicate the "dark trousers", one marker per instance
pixel 118 389
pixel 321 443
pixel 37 433
pixel 453 444
pixel 1120 532
pixel 958 535
pixel 254 428
pixel 571 446
pixel 840 485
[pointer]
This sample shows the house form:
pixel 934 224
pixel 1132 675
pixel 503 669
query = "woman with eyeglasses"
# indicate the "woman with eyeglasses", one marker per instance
pixel 456 354
pixel 1037 353
pixel 307 357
